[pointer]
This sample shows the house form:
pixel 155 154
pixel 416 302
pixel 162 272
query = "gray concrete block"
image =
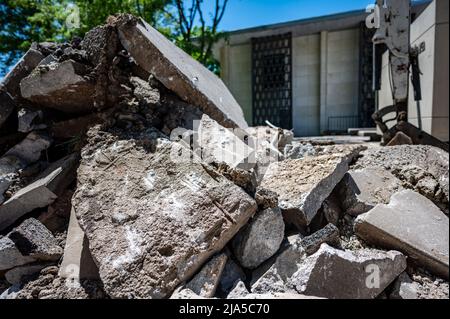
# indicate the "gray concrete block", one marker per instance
pixel 413 225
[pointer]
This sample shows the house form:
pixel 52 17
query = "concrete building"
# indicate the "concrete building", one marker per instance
pixel 312 75
pixel 430 31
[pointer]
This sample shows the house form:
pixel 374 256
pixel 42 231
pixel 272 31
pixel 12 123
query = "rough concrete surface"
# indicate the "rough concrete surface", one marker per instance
pixel 152 222
pixel 412 224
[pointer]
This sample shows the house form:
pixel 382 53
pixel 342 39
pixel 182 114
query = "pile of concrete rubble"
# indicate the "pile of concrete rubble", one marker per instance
pixel 127 170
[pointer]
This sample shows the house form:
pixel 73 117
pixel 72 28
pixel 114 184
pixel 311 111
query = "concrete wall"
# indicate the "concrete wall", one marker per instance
pixel 306 85
pixel 236 66
pixel 430 27
pixel 342 75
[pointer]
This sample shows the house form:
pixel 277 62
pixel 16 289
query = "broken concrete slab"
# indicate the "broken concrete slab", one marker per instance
pixel 20 156
pixel 363 189
pixel 36 195
pixel 404 288
pixel 34 240
pixel 41 193
pixel 77 262
pixel 329 235
pixel 179 72
pixel 10 256
pixel 17 274
pixel 337 274
pixel 11 82
pixel 260 239
pixel 411 224
pixel 61 86
pixel 205 283
pixel 302 185
pixel 152 218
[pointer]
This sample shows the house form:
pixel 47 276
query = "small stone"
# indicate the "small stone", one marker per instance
pixel 30 120
pixel 404 288
pixel 260 239
pixel 329 234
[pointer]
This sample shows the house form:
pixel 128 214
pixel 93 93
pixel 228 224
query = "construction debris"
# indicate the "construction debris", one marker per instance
pixel 302 185
pixel 138 161
pixel 361 190
pixel 326 273
pixel 205 283
pixel 260 239
pixel 412 224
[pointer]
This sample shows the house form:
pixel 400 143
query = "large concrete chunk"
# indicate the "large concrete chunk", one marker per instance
pixel 363 189
pixel 11 82
pixel 337 274
pixel 179 72
pixel 205 283
pixel 405 288
pixel 152 219
pixel 35 240
pixel 260 239
pixel 41 193
pixel 62 86
pixel 411 224
pixel 303 184
pixel 329 234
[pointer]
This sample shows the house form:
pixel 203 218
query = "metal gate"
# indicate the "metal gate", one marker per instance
pixel 366 93
pixel 272 80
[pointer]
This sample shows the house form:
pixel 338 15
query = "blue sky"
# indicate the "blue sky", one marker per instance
pixel 251 13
